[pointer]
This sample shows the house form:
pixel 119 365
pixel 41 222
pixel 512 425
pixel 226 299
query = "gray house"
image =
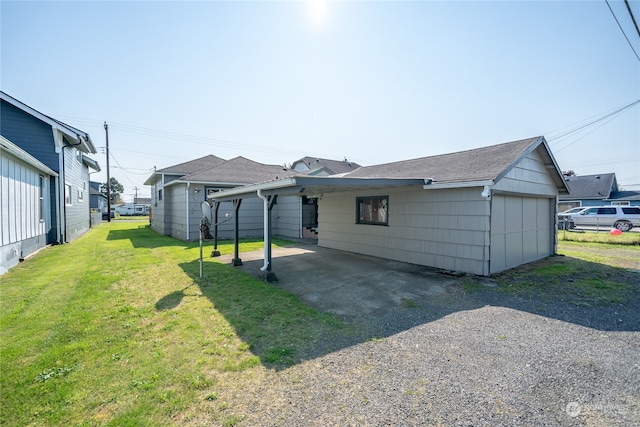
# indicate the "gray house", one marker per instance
pixel 178 191
pixel 596 190
pixel 63 149
pixel 477 211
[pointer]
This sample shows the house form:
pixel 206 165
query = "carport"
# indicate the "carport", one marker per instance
pixel 311 186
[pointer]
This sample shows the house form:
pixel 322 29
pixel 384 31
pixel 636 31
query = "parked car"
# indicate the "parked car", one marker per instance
pixel 571 211
pixel 105 217
pixel 624 218
pixel 564 218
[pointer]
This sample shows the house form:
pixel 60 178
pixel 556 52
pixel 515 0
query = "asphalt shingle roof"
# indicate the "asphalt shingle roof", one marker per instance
pixel 480 164
pixel 591 186
pixel 193 165
pixel 240 170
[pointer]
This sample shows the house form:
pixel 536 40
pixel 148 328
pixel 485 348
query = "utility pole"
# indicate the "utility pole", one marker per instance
pixel 106 131
pixel 135 198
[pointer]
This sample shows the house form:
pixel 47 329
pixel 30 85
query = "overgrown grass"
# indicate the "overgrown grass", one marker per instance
pixel 116 329
pixel 585 275
pixel 628 238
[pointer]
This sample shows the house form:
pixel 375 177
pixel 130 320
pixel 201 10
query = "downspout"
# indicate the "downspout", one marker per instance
pixel 63 237
pixel 486 193
pixel 267 236
pixel 187 208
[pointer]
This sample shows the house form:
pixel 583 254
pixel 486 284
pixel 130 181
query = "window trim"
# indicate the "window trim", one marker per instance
pixel 360 200
pixel 68 195
pixel 41 190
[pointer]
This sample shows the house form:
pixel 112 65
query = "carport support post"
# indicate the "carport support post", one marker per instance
pixel 215 251
pixel 236 259
pixel 270 276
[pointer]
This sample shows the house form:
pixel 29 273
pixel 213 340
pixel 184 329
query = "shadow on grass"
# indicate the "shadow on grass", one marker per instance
pixel 327 300
pixel 143 237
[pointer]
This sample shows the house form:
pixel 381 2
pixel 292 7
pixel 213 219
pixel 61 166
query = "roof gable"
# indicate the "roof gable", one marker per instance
pixel 85 143
pixel 332 167
pixel 477 165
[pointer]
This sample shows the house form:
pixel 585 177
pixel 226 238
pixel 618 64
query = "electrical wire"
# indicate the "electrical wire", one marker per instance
pixel 215 142
pixel 558 139
pixel 633 18
pixel 621 29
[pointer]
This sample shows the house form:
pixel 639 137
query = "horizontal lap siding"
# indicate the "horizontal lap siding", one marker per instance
pixel 76 174
pixel 529 177
pixel 439 228
pixel 251 215
pixel 286 216
pixel 175 211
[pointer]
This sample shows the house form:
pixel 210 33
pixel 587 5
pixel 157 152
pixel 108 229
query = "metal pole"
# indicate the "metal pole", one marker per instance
pixel 106 130
pixel 201 273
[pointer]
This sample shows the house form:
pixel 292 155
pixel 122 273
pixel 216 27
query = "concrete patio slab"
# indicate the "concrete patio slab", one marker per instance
pixel 348 284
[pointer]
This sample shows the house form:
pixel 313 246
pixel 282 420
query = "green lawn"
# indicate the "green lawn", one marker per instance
pixel 116 329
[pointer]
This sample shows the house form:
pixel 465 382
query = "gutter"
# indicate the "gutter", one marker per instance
pixel 430 184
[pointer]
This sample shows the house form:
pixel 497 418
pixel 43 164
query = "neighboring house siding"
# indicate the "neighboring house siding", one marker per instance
pixel 29 133
pixel 174 205
pixel 286 216
pixel 158 217
pixel 446 229
pixel 251 218
pixel 22 231
pixel 171 214
pixel 76 175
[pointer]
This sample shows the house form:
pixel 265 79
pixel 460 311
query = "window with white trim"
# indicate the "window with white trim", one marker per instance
pixel 41 197
pixel 81 191
pixel 67 194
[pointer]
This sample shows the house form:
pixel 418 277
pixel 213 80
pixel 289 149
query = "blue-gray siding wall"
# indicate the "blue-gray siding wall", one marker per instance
pixel 76 174
pixel 29 133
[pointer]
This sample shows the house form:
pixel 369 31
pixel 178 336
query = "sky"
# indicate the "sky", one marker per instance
pixel 370 81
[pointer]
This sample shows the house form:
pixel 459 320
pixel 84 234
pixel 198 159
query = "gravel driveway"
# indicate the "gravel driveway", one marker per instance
pixel 464 357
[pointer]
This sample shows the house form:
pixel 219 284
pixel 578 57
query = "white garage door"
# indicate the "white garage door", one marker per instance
pixel 522 230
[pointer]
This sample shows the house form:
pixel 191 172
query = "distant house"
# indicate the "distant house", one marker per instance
pixel 596 190
pixel 98 199
pixel 62 149
pixel 178 191
pixel 477 211
pixel 323 167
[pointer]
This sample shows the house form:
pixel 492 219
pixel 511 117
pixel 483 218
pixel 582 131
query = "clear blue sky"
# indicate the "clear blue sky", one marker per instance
pixel 371 81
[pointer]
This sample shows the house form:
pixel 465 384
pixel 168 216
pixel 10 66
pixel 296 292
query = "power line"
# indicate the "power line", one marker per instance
pixel 558 138
pixel 633 18
pixel 216 142
pixel 621 29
